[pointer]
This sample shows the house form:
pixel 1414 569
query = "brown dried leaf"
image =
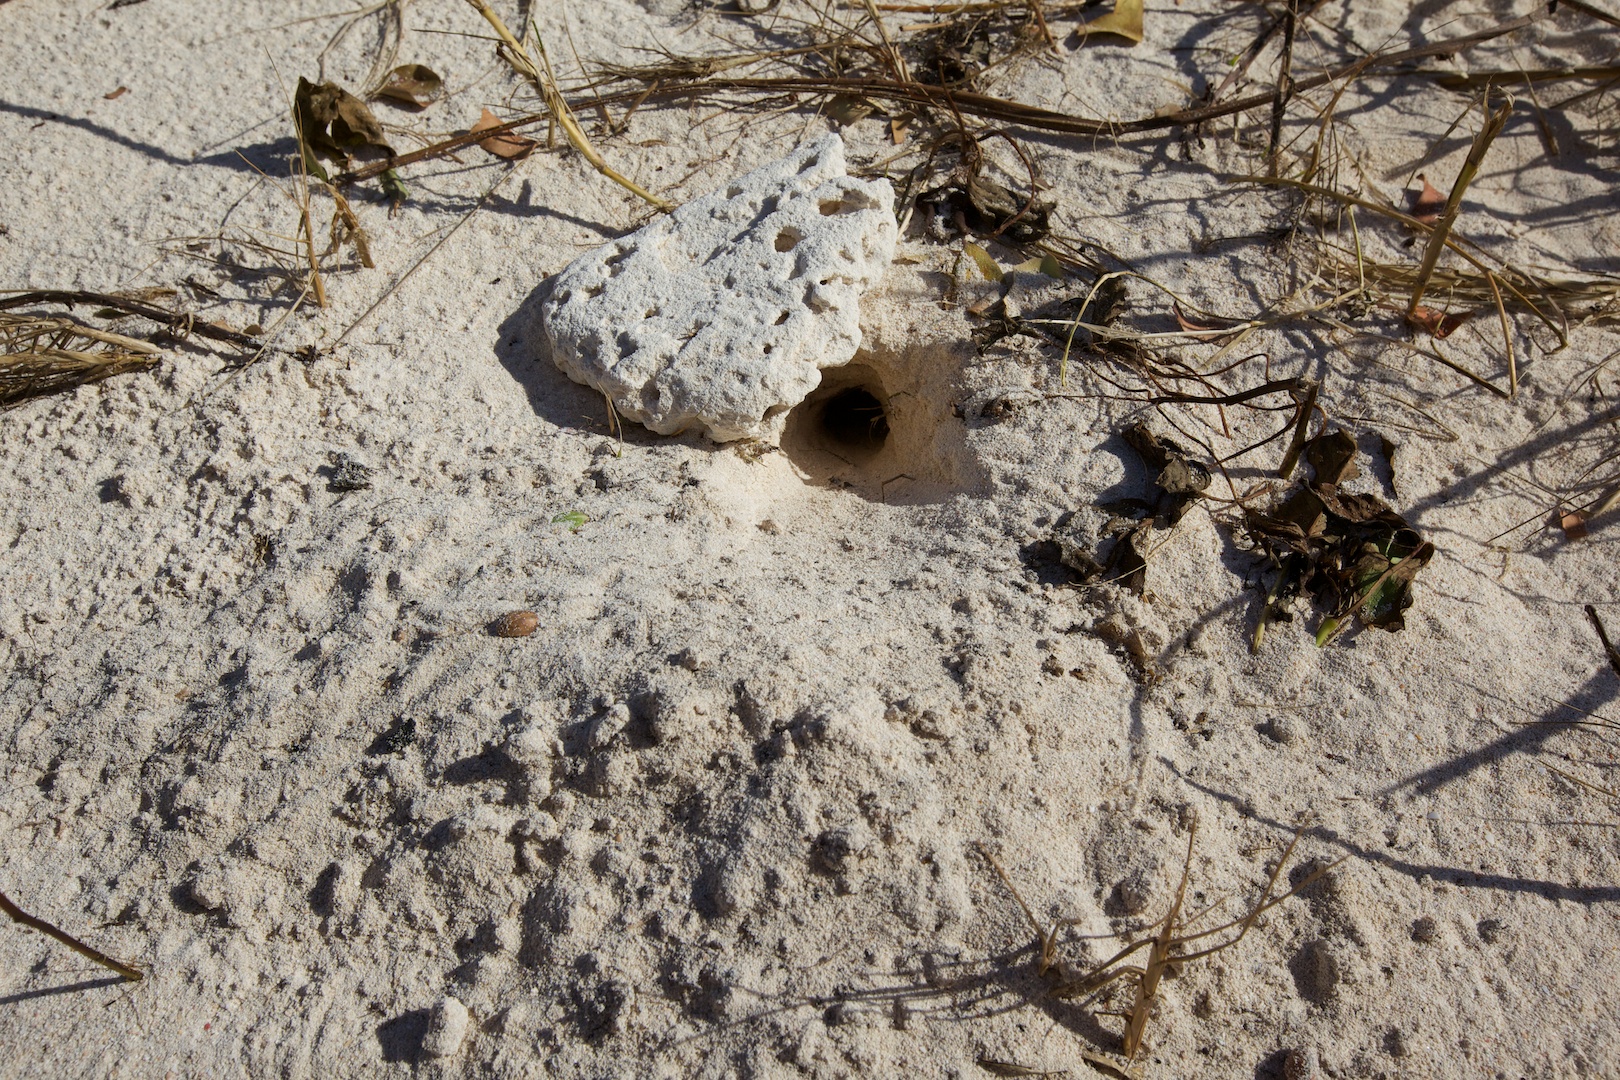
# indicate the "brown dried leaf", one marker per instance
pixel 1427 204
pixel 331 122
pixel 1438 324
pixel 1333 456
pixel 116 94
pixel 1573 522
pixel 415 86
pixel 506 144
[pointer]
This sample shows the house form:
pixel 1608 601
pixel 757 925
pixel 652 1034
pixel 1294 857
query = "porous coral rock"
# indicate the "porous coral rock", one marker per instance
pixel 721 315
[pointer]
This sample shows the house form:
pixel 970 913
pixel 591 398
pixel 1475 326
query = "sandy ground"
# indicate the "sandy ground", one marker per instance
pixel 721 814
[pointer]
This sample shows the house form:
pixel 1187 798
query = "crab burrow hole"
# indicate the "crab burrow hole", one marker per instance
pixel 843 427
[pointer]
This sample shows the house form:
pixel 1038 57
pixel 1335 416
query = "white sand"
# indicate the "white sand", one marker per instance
pixel 718 815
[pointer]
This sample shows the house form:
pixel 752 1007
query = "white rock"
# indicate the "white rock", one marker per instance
pixel 721 315
pixel 447 1027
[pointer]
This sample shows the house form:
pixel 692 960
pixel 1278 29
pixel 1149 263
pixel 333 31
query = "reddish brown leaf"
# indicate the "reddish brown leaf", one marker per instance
pixel 1438 324
pixel 506 144
pixel 1573 522
pixel 116 94
pixel 415 86
pixel 1426 204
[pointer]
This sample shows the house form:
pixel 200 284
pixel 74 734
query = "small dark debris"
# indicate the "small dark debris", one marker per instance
pixel 400 734
pixel 349 474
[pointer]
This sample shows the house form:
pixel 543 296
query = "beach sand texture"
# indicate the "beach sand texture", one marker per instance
pixel 721 806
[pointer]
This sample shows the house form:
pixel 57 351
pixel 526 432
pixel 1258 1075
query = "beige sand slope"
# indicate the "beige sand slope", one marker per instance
pixel 719 814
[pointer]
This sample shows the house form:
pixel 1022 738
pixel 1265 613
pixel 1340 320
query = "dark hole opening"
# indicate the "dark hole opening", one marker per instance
pixel 855 419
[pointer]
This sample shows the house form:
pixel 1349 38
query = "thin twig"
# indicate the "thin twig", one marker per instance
pixel 1603 636
pixel 18 915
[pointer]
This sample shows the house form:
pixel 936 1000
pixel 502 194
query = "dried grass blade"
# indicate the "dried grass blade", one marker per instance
pixel 40 356
pixel 545 83
pixel 1494 122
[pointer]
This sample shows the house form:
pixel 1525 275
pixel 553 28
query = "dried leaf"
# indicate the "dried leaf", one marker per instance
pixel 116 94
pixel 505 145
pixel 897 131
pixel 331 122
pixel 414 85
pixel 1180 479
pixel 987 265
pixel 1573 522
pixel 1351 553
pixel 1333 456
pixel 1426 204
pixel 1125 21
pixel 985 208
pixel 1438 324
pixel 1383 583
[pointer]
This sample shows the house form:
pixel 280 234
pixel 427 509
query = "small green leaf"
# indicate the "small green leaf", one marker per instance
pixel 574 519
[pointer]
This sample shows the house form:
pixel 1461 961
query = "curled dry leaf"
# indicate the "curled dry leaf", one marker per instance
pixel 1427 203
pixel 505 144
pixel 332 122
pixel 984 260
pixel 1439 324
pixel 1573 522
pixel 515 624
pixel 415 86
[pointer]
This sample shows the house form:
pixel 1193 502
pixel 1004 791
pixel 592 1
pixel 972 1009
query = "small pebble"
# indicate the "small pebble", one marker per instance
pixel 1302 1063
pixel 447 1027
pixel 515 624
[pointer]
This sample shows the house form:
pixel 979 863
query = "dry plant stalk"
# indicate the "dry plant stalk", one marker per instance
pixel 1494 122
pixel 41 355
pixel 544 80
pixel 22 918
pixel 1164 947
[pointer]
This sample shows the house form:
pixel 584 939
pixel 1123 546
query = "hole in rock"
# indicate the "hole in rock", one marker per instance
pixel 829 207
pixel 788 239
